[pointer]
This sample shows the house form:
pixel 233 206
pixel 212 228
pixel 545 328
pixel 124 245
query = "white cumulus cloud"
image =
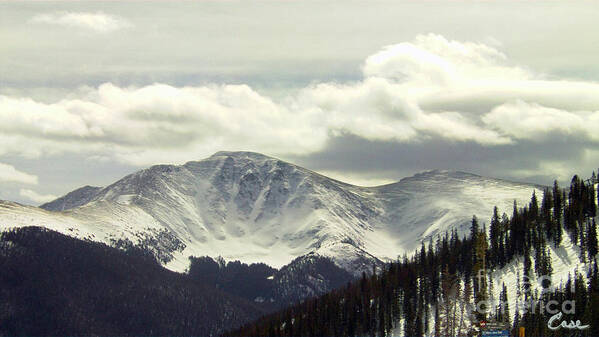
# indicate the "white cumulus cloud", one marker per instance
pixel 151 123
pixel 36 197
pixel 428 89
pixel 532 121
pixel 10 174
pixel 432 59
pixel 98 22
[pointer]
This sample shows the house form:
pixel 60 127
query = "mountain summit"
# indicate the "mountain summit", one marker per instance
pixel 255 208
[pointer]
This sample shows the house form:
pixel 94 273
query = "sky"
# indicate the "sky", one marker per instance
pixel 366 92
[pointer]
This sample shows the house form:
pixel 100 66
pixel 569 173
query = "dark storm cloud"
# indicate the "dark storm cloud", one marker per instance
pixel 392 161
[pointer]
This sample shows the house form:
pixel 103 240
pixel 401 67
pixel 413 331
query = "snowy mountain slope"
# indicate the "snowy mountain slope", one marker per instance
pixel 110 223
pixel 251 207
pixel 430 203
pixel 565 261
pixel 76 198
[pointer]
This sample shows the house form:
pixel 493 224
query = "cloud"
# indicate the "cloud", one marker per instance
pixel 36 197
pixel 433 59
pixel 361 178
pixel 97 22
pixel 535 122
pixel 465 96
pixel 10 174
pixel 148 124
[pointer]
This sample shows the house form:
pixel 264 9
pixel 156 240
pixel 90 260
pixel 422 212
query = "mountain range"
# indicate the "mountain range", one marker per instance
pixel 254 208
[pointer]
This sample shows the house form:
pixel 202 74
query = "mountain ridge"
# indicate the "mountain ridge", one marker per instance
pixel 251 207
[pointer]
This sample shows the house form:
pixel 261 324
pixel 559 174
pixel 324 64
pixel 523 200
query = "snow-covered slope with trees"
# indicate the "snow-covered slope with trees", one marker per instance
pixel 255 208
pixel 535 270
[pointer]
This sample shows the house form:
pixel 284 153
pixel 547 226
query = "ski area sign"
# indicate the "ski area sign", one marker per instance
pixel 496 333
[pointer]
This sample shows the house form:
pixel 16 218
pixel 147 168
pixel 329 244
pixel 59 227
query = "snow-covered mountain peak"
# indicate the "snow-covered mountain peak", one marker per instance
pixel 442 176
pixel 243 154
pixel 73 199
pixel 256 208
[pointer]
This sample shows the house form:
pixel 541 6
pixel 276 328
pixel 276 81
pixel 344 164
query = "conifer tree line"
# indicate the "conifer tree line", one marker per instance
pixel 52 284
pixel 433 292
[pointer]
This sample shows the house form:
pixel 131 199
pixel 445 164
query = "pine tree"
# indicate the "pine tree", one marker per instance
pixel 518 232
pixel 474 230
pixel 592 311
pixel 534 206
pixel 546 217
pixel 574 215
pixel 505 307
pixel 592 240
pixel 583 230
pixel 580 293
pixel 437 321
pixel 466 321
pixel 591 206
pixel 494 238
pixel 448 303
pixel 540 261
pixel 527 274
pixel 557 214
pixel 503 241
pixel 480 280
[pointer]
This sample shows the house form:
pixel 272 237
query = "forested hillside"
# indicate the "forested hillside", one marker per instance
pixel 55 285
pixel 446 288
pixel 270 288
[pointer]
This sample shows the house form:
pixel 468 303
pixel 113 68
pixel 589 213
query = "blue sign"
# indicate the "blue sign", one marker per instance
pixel 496 333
